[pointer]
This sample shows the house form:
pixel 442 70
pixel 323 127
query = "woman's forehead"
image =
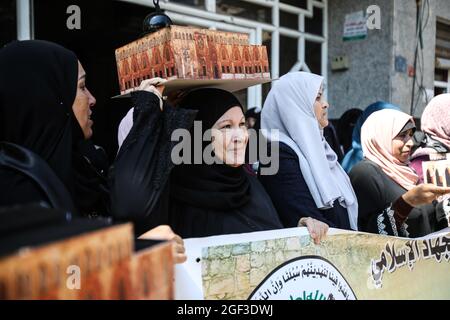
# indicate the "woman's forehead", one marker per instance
pixel 232 114
pixel 81 71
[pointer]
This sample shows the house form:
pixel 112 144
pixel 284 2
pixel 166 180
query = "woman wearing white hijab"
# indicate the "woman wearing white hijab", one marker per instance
pixel 310 182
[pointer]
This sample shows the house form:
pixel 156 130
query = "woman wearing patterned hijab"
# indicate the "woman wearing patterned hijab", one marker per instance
pixel 386 187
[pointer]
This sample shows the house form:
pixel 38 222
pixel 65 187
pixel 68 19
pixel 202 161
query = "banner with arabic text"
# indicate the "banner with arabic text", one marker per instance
pixel 286 265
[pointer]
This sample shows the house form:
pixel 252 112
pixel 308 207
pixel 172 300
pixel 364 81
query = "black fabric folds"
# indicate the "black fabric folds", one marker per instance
pixel 215 186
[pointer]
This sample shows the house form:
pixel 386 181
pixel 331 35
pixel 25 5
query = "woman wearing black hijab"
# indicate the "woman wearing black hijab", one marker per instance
pixel 195 198
pixel 219 198
pixel 45 156
pixel 45 108
pixel 38 85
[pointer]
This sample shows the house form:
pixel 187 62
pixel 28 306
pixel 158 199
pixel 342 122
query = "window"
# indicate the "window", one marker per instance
pixel 243 9
pixel 237 56
pixel 200 4
pixel 247 56
pixel 224 54
pixel 306 41
pixel 442 73
pixel 167 54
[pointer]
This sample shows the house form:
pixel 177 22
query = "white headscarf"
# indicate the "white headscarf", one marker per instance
pixel 125 127
pixel 289 108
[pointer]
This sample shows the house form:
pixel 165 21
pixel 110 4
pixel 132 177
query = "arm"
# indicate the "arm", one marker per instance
pixel 143 165
pixel 376 214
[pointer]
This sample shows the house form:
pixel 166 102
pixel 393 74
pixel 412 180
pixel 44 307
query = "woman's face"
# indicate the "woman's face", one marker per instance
pixel 321 109
pixel 230 137
pixel 402 145
pixel 83 103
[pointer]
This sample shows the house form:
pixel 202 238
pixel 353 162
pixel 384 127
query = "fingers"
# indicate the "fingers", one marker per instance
pixel 436 190
pixel 442 191
pixel 159 233
pixel 311 229
pixel 180 258
pixel 166 233
pixel 154 82
pixel 317 230
pixel 178 252
pixel 177 239
pixel 155 85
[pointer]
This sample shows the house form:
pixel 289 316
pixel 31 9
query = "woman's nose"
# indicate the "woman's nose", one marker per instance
pixel 410 142
pixel 92 100
pixel 238 136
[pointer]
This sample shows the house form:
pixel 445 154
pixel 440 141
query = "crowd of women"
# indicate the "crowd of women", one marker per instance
pixel 47 157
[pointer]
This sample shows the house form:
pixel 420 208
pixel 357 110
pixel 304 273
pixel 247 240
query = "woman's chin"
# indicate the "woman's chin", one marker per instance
pixel 88 133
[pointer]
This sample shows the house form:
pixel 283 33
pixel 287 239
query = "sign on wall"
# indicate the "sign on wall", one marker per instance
pixel 355 26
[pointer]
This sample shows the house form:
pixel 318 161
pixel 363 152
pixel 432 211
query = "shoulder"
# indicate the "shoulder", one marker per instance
pixel 364 167
pixel 286 151
pixel 367 174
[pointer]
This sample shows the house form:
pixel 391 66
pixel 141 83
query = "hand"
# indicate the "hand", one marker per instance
pixel 156 86
pixel 424 194
pixel 166 233
pixel 317 229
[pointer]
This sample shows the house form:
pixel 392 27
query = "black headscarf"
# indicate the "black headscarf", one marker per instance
pixel 345 127
pixel 38 85
pixel 217 186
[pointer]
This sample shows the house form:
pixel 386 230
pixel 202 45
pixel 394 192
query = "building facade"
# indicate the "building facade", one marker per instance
pixel 299 34
pixel 383 64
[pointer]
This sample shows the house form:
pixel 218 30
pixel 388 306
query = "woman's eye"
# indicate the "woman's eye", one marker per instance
pixel 228 126
pixel 242 124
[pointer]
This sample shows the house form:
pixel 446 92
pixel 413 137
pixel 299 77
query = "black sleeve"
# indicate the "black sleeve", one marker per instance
pixel 142 167
pixel 290 193
pixel 375 213
pixel 426 219
pixel 440 216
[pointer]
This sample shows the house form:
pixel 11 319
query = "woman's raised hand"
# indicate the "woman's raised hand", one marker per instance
pixel 165 233
pixel 154 85
pixel 424 194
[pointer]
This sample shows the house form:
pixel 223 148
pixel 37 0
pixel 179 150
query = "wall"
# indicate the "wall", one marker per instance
pixel 404 44
pixel 371 59
pixel 372 75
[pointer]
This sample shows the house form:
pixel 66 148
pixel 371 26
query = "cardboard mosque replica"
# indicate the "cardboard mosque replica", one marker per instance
pixel 191 57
